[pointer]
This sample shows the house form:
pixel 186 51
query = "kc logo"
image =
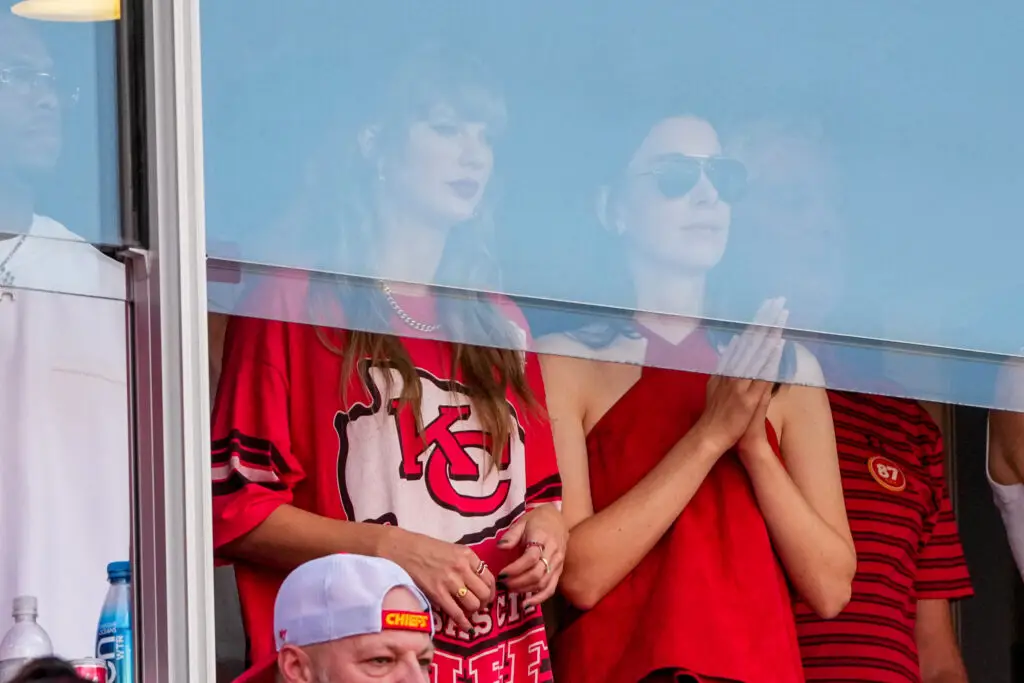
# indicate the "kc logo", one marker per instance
pixel 389 471
pixel 448 459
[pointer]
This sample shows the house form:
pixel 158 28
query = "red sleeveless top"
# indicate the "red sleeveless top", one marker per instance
pixel 710 599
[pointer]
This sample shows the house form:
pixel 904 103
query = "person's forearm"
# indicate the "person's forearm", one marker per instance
pixel 937 649
pixel 289 537
pixel 818 559
pixel 605 547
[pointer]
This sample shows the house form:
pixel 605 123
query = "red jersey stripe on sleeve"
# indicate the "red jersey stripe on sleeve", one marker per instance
pixel 239 460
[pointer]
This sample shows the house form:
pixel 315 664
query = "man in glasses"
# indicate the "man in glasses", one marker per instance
pixel 897 627
pixel 64 511
pixel 30 119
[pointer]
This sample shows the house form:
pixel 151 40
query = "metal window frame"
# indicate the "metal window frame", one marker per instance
pixel 162 195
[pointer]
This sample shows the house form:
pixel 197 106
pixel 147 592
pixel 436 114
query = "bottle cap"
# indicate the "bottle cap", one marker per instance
pixel 25 605
pixel 119 570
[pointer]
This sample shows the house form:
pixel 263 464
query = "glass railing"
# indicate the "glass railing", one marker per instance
pixel 588 331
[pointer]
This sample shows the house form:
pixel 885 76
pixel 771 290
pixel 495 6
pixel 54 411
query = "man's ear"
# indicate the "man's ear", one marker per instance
pixel 607 216
pixel 368 139
pixel 294 665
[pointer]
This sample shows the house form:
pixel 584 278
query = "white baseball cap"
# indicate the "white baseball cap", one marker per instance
pixel 336 597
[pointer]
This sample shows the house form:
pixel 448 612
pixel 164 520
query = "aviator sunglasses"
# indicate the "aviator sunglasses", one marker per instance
pixel 676 175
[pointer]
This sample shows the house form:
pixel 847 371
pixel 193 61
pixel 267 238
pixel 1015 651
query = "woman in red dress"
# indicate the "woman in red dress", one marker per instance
pixel 691 498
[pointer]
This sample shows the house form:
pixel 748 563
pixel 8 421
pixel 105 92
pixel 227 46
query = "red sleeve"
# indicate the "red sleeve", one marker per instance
pixel 941 569
pixel 254 470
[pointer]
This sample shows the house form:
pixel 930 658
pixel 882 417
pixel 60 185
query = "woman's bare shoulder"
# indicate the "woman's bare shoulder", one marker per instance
pixel 567 365
pixel 585 382
pixel 804 393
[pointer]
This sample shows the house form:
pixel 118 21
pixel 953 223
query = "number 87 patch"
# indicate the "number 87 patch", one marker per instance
pixel 887 474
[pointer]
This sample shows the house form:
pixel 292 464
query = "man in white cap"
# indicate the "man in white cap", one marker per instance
pixel 348 619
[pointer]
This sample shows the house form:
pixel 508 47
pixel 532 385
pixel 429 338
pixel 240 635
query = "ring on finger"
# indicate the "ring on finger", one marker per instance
pixel 481 569
pixel 462 592
pixel 535 544
pixel 547 565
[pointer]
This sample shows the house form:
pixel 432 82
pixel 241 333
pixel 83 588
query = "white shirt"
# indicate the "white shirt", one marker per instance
pixel 1009 500
pixel 64 439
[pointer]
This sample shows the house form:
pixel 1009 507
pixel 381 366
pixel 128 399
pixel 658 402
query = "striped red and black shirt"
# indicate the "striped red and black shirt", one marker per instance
pixel 908 546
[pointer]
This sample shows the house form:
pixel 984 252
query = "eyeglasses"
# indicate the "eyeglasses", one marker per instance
pixel 25 80
pixel 677 176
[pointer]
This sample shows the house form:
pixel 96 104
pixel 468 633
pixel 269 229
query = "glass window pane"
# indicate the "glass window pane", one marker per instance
pixel 858 160
pixel 58 128
pixel 633 183
pixel 65 497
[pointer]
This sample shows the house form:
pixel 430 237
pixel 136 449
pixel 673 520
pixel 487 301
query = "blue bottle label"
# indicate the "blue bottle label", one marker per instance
pixel 114 646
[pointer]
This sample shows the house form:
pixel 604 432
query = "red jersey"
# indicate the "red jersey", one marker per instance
pixel 908 547
pixel 285 432
pixel 710 599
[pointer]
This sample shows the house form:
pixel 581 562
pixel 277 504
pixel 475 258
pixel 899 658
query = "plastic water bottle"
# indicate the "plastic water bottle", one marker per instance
pixel 25 641
pixel 114 632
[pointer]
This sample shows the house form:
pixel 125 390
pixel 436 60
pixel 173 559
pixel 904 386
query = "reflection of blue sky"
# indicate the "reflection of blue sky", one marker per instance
pixel 921 100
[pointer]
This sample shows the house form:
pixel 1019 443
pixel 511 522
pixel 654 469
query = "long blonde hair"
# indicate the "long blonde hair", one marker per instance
pixel 485 346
